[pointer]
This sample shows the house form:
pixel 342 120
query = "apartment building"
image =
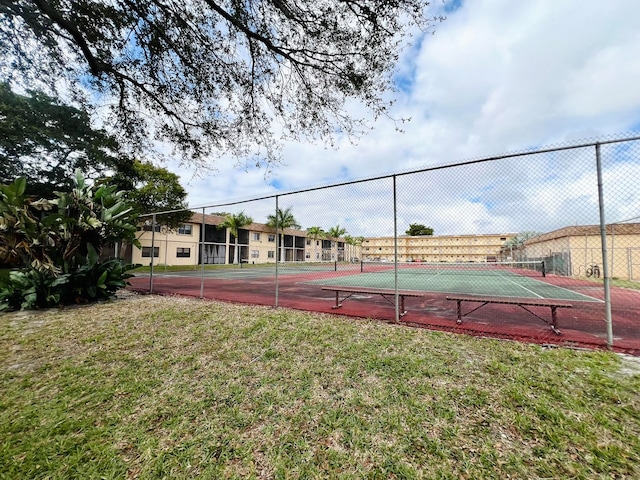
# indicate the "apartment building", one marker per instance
pixel 437 248
pixel 204 239
pixel 566 251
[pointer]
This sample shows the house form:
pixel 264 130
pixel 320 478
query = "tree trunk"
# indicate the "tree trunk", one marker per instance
pixel 282 248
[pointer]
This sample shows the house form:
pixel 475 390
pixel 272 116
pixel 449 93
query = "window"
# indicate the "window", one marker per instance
pixel 147 228
pixel 272 238
pixel 183 252
pixel 146 251
pixel 307 255
pixel 256 236
pixel 308 242
pixel 185 229
pixel 271 254
pixel 255 253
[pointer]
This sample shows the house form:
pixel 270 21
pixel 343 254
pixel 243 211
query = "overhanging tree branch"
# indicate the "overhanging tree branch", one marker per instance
pixel 214 76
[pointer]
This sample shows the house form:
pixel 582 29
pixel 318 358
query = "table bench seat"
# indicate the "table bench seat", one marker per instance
pixel 521 302
pixel 384 292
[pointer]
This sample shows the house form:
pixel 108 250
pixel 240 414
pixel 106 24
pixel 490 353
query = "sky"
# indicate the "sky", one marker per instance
pixel 496 76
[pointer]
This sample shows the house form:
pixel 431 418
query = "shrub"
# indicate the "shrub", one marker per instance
pixel 57 244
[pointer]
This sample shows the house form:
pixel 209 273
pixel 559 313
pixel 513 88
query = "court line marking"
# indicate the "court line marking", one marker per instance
pixel 233 274
pixel 522 286
pixel 591 299
pixel 573 295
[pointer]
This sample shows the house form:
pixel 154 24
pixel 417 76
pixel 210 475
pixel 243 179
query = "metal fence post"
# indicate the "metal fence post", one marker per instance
pixel 395 249
pixel 276 252
pixel 153 250
pixel 603 243
pixel 202 247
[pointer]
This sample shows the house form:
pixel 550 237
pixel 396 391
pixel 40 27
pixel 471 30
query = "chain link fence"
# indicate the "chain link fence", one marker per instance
pixel 555 224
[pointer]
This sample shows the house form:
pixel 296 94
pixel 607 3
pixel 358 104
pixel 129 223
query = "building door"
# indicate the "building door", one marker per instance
pixel 633 260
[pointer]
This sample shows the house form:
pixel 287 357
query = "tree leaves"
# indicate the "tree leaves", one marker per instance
pixel 45 141
pixel 336 232
pixel 57 244
pixel 150 189
pixel 417 229
pixel 216 77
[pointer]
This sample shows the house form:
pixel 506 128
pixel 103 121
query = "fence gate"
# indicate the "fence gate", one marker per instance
pixel 633 260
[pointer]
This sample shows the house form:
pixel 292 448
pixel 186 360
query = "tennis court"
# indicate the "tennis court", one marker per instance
pixel 514 279
pixel 248 270
pixel 300 286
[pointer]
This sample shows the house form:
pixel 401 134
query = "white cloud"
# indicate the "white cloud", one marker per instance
pixel 497 76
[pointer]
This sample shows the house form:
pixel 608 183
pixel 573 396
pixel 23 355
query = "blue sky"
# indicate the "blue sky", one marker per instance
pixel 497 76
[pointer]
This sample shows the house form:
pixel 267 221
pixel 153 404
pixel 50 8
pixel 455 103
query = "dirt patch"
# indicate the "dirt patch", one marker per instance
pixel 28 321
pixel 629 365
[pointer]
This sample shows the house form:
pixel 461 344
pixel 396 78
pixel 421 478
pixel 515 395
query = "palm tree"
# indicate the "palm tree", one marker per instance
pixel 354 242
pixel 234 222
pixel 515 243
pixel 336 232
pixel 283 219
pixel 316 233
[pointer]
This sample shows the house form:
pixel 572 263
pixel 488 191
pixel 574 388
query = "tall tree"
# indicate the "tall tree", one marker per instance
pixel 336 232
pixel 215 75
pixel 154 189
pixel 282 220
pixel 519 239
pixel 45 141
pixel 515 243
pixel 354 242
pixel 234 222
pixel 316 233
pixel 417 229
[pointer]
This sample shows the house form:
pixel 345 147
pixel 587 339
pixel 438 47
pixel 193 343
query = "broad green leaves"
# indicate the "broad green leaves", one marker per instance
pixel 57 243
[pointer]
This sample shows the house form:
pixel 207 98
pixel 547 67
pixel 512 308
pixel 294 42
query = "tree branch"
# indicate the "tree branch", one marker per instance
pixel 96 66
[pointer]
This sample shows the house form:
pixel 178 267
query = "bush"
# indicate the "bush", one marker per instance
pixel 57 244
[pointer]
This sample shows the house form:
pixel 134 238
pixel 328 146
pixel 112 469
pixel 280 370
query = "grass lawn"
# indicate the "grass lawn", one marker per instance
pixel 617 282
pixel 165 387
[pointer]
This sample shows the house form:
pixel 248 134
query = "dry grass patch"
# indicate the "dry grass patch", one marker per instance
pixel 149 387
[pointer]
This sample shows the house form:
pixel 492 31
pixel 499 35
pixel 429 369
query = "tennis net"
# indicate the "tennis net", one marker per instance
pixel 526 269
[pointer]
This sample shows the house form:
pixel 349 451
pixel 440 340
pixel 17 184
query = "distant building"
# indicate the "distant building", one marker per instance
pixel 437 248
pixel 567 251
pixel 257 243
pixel 574 249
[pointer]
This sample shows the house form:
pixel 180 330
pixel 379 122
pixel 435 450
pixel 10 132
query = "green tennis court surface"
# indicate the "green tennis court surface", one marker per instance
pixel 503 285
pixel 230 272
